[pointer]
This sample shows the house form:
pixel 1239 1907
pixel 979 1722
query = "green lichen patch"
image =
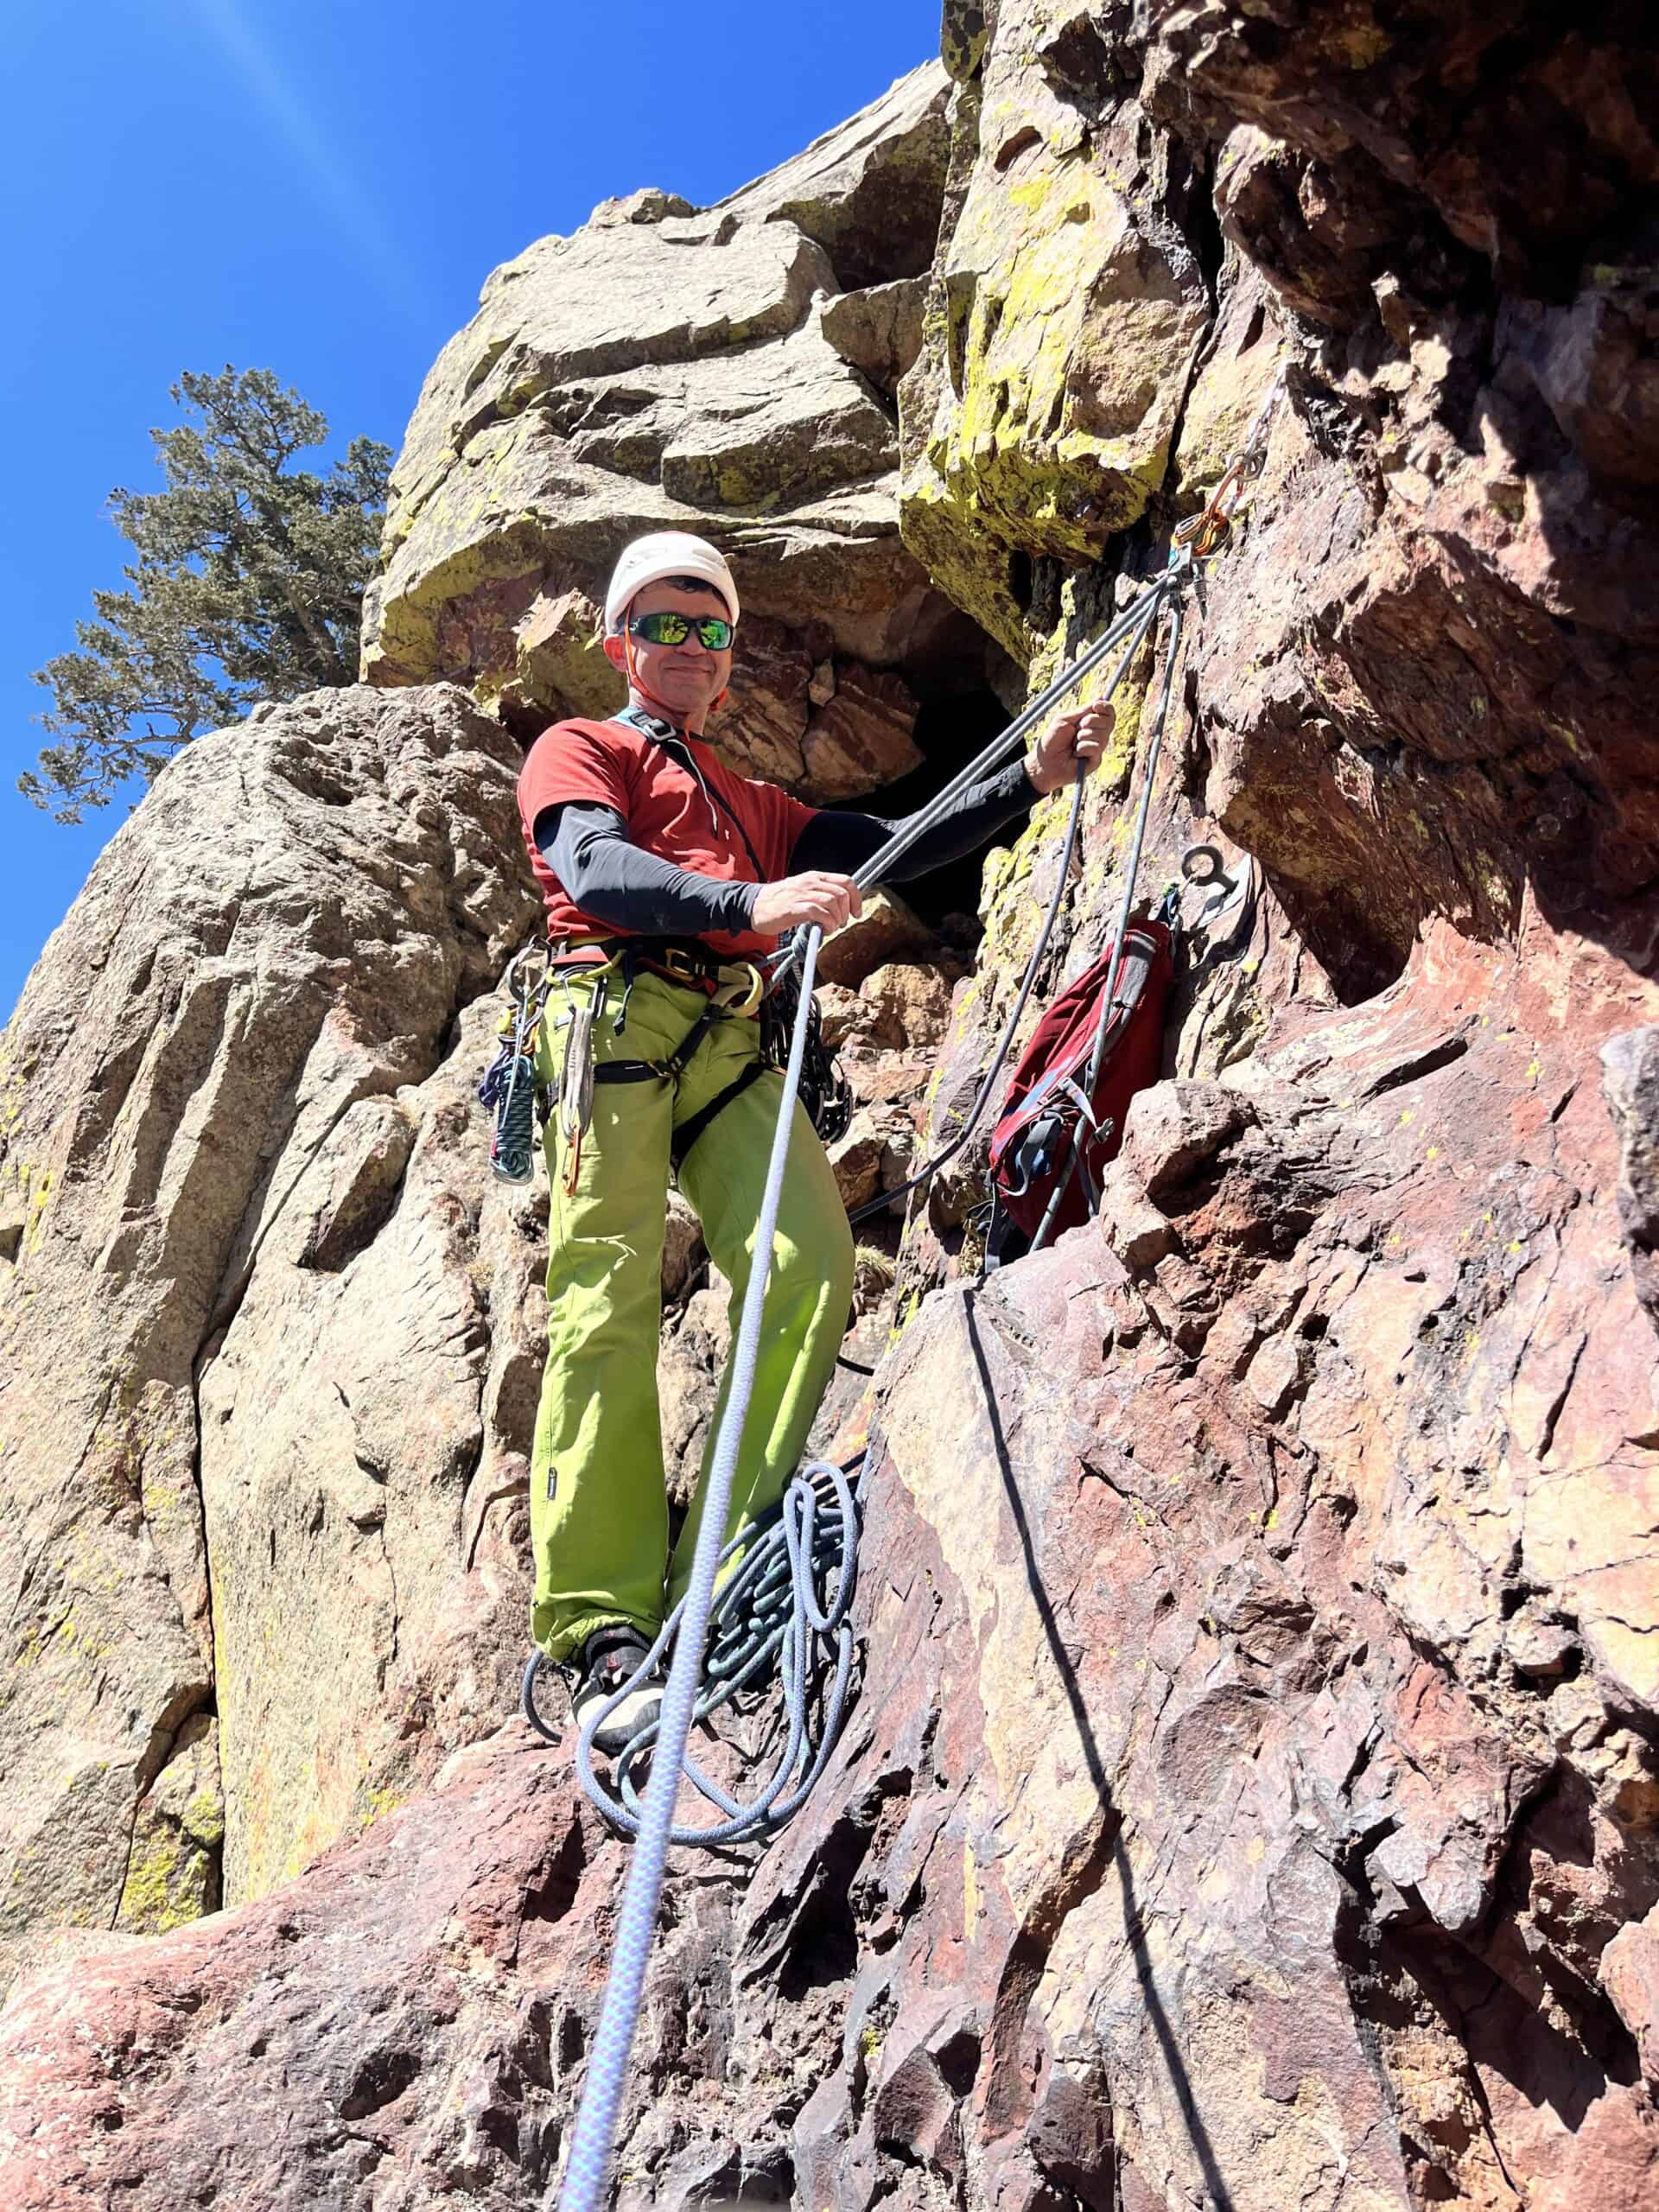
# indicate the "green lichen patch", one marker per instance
pixel 178 1834
pixel 1057 347
pixel 170 1880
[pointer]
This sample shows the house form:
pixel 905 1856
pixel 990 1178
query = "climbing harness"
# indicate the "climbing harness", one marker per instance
pixel 509 1088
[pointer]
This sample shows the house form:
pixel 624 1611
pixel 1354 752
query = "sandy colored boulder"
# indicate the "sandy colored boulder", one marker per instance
pixel 887 930
pixel 879 331
pixel 909 1003
pixel 725 370
pixel 263 968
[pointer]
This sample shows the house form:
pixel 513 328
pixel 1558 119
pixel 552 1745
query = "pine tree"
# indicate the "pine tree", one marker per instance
pixel 248 584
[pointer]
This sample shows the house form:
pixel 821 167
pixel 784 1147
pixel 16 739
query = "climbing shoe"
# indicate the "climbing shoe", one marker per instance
pixel 608 1658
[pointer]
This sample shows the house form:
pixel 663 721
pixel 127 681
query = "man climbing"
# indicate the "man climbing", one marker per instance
pixel 667 877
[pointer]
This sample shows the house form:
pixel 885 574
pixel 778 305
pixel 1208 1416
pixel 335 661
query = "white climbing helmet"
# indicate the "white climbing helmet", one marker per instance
pixel 665 553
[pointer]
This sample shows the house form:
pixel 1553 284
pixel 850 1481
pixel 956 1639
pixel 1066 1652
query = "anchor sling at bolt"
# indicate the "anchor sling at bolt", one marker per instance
pixel 599 1519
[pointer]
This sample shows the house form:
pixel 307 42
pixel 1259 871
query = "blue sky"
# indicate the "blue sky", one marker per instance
pixel 319 190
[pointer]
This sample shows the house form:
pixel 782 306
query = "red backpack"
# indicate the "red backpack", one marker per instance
pixel 1043 1113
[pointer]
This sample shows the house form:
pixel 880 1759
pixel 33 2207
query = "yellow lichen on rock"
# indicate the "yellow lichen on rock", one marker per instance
pixel 1059 340
pixel 173 1868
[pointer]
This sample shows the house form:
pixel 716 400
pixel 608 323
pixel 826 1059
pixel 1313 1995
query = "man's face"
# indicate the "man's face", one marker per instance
pixel 687 678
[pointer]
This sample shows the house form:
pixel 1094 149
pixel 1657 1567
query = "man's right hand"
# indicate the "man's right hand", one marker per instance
pixel 827 900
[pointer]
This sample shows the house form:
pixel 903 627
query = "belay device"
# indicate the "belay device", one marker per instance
pixel 823 1090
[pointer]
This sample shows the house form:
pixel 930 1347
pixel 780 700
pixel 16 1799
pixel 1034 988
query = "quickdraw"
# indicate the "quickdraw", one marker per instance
pixel 509 1088
pixel 1207 531
pixel 576 1080
pixel 1203 532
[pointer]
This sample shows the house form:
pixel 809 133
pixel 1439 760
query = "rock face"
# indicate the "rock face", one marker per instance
pixel 244 1292
pixel 1066 305
pixel 1630 1079
pixel 727 370
pixel 1253 1797
pixel 1250 1800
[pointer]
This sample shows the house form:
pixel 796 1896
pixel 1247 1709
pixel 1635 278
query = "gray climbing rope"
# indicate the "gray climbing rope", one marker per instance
pixel 1132 874
pixel 782 1609
pixel 595 2127
pixel 1003 747
pixel 1146 607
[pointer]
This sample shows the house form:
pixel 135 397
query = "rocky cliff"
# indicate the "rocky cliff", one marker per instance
pixel 731 369
pixel 1253 1796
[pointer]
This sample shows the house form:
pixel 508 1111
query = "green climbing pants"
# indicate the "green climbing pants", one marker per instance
pixel 599 1511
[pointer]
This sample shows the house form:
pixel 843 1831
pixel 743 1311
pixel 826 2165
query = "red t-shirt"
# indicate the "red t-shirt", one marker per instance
pixel 667 812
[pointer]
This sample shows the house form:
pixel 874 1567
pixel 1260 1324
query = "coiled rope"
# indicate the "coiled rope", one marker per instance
pixel 785 1607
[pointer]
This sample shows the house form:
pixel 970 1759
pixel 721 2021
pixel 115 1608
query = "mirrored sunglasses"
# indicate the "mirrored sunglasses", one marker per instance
pixel 714 632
